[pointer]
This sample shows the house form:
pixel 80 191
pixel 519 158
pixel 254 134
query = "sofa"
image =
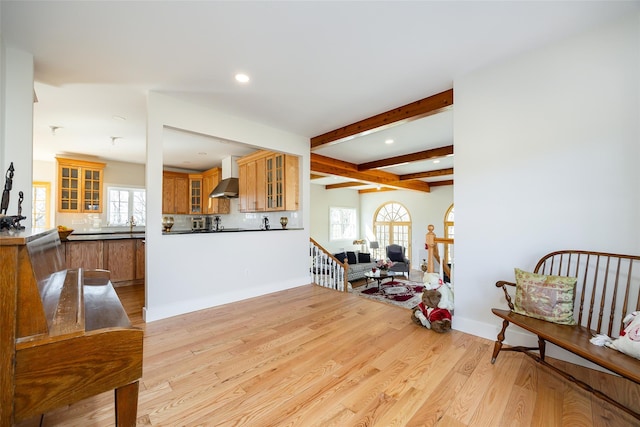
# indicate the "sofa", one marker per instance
pixel 359 263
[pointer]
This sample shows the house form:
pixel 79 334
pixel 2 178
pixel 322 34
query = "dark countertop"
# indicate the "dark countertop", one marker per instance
pixel 105 236
pixel 227 230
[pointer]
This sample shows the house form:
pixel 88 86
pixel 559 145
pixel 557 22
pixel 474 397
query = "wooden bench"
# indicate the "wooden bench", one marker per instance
pixel 607 289
pixel 64 334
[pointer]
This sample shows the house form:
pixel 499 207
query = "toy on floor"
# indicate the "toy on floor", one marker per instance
pixel 428 314
pixel 436 309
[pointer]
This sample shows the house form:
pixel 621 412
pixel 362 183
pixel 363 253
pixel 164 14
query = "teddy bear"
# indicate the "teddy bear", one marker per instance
pixel 428 314
pixel 433 281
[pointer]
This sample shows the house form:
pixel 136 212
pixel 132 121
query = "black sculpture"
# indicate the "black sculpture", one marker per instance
pixel 8 184
pixel 10 221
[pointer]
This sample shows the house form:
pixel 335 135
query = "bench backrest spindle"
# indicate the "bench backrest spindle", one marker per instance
pixel 608 286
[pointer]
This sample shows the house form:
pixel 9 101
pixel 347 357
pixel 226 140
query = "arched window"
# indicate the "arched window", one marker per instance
pixel 448 233
pixel 392 225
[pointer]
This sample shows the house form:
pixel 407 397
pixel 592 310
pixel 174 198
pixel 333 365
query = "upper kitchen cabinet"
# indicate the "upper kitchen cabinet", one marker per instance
pixel 251 182
pixel 282 178
pixel 219 205
pixel 195 194
pixel 268 181
pixel 80 186
pixel 175 193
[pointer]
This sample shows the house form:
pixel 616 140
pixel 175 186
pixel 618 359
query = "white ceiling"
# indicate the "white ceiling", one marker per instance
pixel 314 66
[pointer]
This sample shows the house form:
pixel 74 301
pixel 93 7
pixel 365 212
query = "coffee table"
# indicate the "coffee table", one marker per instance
pixel 380 275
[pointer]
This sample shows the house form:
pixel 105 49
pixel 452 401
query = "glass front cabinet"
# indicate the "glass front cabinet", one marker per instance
pixel 80 186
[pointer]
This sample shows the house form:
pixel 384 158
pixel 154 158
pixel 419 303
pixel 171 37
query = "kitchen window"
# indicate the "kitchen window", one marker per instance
pixel 40 217
pixel 123 204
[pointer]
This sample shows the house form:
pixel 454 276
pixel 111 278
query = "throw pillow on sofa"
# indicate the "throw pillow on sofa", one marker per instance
pixel 364 258
pixel 340 256
pixel 351 258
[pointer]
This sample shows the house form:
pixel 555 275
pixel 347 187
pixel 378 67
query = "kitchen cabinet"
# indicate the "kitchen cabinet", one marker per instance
pixel 219 205
pixel 196 195
pixel 268 181
pixel 84 254
pixel 120 259
pixel 175 193
pixel 251 182
pixel 282 182
pixel 140 259
pixel 124 258
pixel 79 186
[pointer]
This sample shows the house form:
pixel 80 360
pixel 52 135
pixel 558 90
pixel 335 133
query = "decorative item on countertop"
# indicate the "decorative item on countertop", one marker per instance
pixel 424 266
pixel 216 223
pixel 167 223
pixel 284 221
pixel 10 221
pixel 265 223
pixel 64 232
pixel 8 184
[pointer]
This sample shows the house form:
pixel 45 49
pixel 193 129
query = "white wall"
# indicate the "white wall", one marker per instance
pixel 17 129
pixel 547 154
pixel 321 201
pixel 191 272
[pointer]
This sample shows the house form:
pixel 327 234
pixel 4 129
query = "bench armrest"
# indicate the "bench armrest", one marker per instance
pixel 503 284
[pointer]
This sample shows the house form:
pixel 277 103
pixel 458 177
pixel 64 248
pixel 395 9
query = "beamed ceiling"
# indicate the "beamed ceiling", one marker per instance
pixel 371 176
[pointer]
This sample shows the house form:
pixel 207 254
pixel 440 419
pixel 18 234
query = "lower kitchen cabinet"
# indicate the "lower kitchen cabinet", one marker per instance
pixel 84 254
pixel 120 259
pixel 140 271
pixel 124 258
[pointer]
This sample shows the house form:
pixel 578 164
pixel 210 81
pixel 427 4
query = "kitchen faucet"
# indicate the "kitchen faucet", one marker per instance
pixel 216 221
pixel 132 223
pixel 265 223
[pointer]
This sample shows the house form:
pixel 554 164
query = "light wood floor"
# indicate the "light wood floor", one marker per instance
pixel 315 357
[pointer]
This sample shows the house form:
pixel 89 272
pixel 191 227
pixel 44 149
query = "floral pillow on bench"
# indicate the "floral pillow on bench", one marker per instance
pixel 545 297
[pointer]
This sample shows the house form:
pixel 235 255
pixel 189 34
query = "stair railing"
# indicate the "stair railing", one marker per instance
pixel 434 254
pixel 326 270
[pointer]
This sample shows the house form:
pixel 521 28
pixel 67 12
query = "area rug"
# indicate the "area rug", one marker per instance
pixel 400 292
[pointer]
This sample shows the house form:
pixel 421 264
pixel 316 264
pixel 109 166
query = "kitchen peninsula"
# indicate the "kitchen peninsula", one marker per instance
pixel 122 253
pixel 227 230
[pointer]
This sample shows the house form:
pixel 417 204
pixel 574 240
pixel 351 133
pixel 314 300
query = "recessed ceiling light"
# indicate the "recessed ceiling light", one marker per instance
pixel 242 78
pixel 389 141
pixel 202 153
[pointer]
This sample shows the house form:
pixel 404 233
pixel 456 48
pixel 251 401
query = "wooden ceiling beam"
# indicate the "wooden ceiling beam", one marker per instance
pixel 327 165
pixel 408 158
pixel 425 107
pixel 344 185
pixel 441 183
pixel 428 174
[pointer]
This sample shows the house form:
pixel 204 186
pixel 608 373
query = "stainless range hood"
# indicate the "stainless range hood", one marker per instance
pixel 228 187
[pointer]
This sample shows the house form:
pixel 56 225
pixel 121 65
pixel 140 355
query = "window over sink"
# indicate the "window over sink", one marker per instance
pixel 123 204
